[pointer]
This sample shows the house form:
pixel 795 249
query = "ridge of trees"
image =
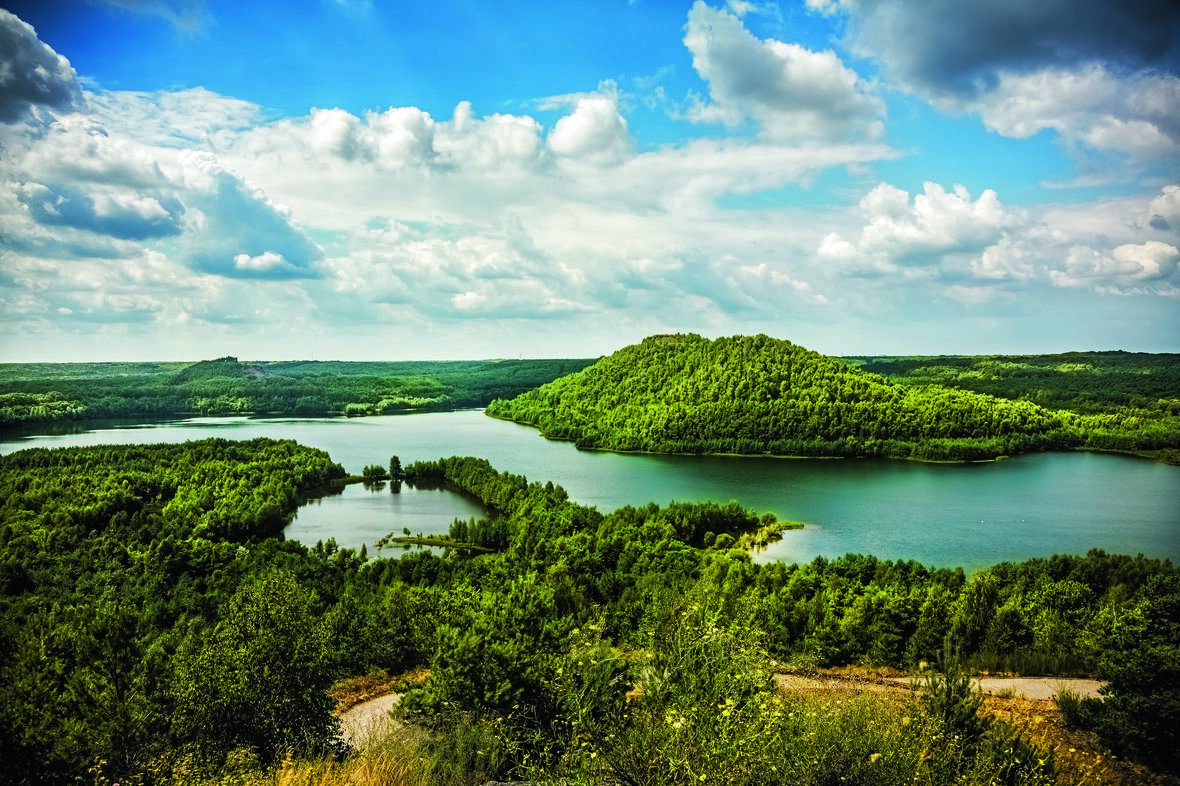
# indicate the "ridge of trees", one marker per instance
pixel 44 393
pixel 758 395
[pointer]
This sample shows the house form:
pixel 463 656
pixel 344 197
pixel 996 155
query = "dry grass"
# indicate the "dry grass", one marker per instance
pixel 357 690
pixel 1079 757
pixel 391 761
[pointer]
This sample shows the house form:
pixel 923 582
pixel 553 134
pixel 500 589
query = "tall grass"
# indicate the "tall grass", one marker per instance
pixel 396 759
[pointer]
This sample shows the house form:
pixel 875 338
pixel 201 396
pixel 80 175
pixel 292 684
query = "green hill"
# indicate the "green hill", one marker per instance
pixel 222 368
pixel 759 395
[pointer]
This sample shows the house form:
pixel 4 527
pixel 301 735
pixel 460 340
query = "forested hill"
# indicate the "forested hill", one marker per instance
pixel 759 395
pixel 38 393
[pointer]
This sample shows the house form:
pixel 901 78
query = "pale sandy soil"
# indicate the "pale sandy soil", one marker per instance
pixel 367 718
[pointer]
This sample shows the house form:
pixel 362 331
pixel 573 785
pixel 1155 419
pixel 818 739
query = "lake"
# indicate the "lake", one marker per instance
pixel 972 515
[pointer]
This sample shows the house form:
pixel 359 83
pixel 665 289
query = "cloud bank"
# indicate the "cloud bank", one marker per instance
pixel 204 221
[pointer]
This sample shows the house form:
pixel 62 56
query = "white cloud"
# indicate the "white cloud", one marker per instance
pixel 1098 73
pixel 790 91
pixel 1164 211
pixel 489 143
pixel 1132 268
pixel 32 75
pixel 1131 115
pixel 266 262
pixel 594 130
pixel 173 118
pixel 231 220
pixel 78 149
pixel 933 229
pixel 961 242
pixel 173 208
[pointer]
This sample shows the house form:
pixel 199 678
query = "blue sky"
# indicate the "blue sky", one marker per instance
pixel 185 179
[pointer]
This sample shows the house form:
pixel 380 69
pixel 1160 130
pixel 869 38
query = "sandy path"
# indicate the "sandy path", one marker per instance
pixel 1037 688
pixel 366 718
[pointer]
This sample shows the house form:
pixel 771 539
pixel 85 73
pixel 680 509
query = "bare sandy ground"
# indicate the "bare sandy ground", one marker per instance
pixel 1034 688
pixel 367 718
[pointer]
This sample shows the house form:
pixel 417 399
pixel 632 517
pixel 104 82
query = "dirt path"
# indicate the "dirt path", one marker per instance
pixel 367 718
pixel 1034 688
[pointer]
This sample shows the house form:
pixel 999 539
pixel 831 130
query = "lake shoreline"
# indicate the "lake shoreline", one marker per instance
pixel 970 515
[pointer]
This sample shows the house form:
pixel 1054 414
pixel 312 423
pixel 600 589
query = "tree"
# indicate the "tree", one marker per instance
pixel 261 679
pixel 395 468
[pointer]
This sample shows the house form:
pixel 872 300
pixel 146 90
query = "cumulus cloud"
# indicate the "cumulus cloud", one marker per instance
pixel 31 73
pixel 954 49
pixel 196 209
pixel 1133 115
pixel 398 138
pixel 932 229
pixel 789 91
pixel 122 214
pixel 1128 268
pixel 80 191
pixel 494 142
pixel 965 243
pixel 594 130
pixel 235 230
pixel 1095 72
pixel 1164 211
pixel 77 148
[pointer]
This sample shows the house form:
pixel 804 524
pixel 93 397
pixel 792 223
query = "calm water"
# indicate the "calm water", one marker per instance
pixel 939 514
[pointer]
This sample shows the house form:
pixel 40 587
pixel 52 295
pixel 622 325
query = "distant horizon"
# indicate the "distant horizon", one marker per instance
pixel 448 181
pixel 458 359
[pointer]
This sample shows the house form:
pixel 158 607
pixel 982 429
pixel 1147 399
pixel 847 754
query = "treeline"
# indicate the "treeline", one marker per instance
pixel 756 395
pixel 1083 382
pixel 153 629
pixel 38 393
pixel 1128 401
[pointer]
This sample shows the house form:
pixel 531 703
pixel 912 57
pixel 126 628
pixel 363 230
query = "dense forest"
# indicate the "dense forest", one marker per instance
pixel 155 628
pixel 1089 383
pixel 46 392
pixel 757 395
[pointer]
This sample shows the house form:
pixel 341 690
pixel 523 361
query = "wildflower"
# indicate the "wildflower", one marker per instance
pixel 874 757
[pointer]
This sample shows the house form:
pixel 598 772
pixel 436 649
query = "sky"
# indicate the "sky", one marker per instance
pixel 358 179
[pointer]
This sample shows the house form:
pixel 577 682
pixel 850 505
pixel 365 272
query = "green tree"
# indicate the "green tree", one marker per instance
pixel 261 679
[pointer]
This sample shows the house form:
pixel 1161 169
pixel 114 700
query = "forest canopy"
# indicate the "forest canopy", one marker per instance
pixel 155 628
pixel 758 395
pixel 39 393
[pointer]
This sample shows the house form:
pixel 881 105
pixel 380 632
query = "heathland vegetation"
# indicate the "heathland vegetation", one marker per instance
pixel 155 628
pixel 757 395
pixel 47 392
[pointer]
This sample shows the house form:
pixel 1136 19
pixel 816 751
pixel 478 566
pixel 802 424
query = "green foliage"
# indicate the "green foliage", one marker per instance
pixel 374 472
pixel 39 393
pixel 260 680
pixel 757 395
pixel 1124 401
pixel 109 558
pixel 150 618
pixel 951 700
pixel 1140 710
